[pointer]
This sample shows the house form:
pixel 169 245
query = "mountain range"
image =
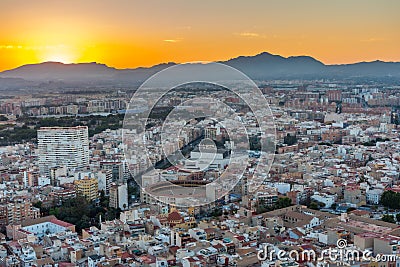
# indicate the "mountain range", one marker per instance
pixel 263 66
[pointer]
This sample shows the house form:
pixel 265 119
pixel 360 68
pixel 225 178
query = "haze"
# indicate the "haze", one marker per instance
pixel 127 33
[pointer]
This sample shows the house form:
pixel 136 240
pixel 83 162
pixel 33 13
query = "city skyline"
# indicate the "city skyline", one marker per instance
pixel 132 34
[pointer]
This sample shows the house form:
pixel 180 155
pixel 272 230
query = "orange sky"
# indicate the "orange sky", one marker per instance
pixel 131 33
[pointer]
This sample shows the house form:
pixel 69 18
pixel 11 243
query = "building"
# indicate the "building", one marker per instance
pixel 267 196
pixel 374 196
pixel 62 194
pixel 334 95
pixel 354 195
pixel 38 227
pixel 116 168
pixel 326 199
pixel 56 172
pixel 119 196
pixel 16 212
pixel 63 146
pixel 105 180
pixel 87 187
pixel 206 158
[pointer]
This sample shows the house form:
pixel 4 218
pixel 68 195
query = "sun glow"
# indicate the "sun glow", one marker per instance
pixel 60 54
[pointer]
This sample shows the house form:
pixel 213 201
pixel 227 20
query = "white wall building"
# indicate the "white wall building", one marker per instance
pixel 373 196
pixel 328 200
pixel 63 146
pixel 119 196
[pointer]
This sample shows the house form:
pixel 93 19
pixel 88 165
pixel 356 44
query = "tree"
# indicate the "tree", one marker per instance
pixel 314 206
pixel 350 209
pixel 390 199
pixel 103 200
pixel 398 217
pixel 283 203
pixel 83 223
pixel 216 212
pixel 290 140
pixel 3 118
pixel 38 204
pixel 388 218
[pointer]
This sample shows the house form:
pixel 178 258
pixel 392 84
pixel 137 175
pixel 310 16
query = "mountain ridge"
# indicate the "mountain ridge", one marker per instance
pixel 261 66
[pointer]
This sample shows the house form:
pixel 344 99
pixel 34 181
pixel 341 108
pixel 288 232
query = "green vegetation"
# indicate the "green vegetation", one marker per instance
pixel 255 143
pixel 281 203
pixel 217 212
pixel 82 213
pixel 350 209
pixel 314 205
pixel 3 118
pixel 133 190
pixel 373 142
pixel 290 140
pixel 160 113
pixel 390 199
pixel 17 135
pixel 388 218
pixel 28 132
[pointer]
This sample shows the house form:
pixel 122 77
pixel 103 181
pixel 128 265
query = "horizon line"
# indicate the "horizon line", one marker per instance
pixel 186 62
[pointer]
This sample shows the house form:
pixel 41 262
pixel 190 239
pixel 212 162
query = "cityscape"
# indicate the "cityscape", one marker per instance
pixel 271 158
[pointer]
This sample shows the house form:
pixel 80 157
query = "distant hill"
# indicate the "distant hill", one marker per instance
pixel 53 71
pixel 266 66
pixel 261 67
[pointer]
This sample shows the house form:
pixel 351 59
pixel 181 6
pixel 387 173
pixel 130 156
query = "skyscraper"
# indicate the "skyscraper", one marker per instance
pixel 63 146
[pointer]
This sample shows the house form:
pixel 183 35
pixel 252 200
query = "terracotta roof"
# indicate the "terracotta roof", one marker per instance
pixel 210 230
pixel 298 215
pixel 174 216
pixel 360 212
pixel 218 246
pixel 61 223
pixel 38 220
pixel 297 232
pixel 239 237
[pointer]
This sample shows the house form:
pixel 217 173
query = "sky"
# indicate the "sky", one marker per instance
pixel 132 33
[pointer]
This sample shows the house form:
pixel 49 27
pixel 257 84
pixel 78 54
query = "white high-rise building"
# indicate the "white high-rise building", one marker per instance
pixel 119 196
pixel 63 146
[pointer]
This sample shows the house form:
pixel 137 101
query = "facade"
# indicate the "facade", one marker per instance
pixel 63 146
pixel 105 180
pixel 374 196
pixel 38 227
pixel 87 187
pixel 15 212
pixel 116 168
pixel 119 196
pixel 326 199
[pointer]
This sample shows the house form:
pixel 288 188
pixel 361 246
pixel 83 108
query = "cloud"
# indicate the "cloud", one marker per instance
pixel 250 35
pixel 373 40
pixel 27 47
pixel 7 47
pixel 172 40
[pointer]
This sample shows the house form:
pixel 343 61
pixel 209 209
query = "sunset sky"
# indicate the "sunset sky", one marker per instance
pixel 132 33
